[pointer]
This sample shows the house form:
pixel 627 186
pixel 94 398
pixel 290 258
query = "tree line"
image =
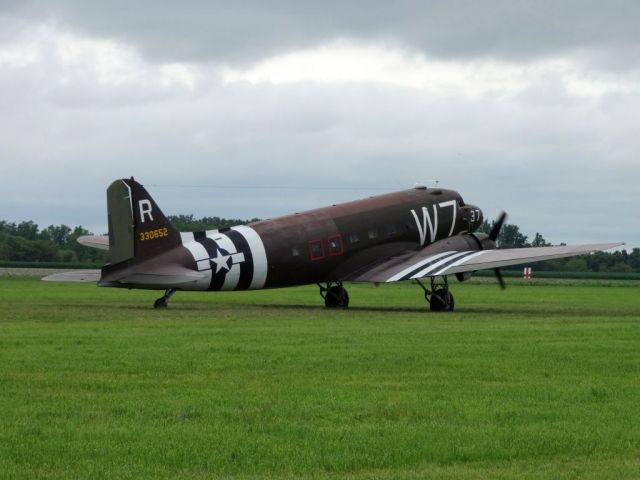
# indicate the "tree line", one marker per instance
pixel 187 223
pixel 26 242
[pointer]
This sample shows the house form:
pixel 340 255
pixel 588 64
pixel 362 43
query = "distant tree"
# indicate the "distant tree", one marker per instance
pixel 576 264
pixel 27 230
pixel 8 228
pixel 485 227
pixel 599 261
pixel 555 265
pixel 634 259
pixel 66 256
pixel 539 241
pixel 56 243
pixel 57 234
pixel 4 248
pixel 24 250
pixel 510 237
pixel 620 267
pixel 187 223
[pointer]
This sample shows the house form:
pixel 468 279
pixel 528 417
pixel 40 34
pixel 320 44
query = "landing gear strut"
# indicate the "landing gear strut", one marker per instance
pixel 163 301
pixel 438 296
pixel 335 295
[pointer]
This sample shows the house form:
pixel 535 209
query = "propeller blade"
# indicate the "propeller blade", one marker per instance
pixel 499 277
pixel 495 230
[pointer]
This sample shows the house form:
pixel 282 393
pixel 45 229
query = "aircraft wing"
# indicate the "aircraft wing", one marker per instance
pixel 158 277
pixel 421 264
pixel 95 241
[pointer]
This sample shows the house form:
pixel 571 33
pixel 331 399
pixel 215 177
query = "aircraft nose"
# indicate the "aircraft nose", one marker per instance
pixel 475 217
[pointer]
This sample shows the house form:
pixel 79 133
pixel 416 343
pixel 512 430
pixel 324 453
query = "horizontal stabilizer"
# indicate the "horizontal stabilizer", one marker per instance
pixel 95 241
pixel 171 275
pixel 86 276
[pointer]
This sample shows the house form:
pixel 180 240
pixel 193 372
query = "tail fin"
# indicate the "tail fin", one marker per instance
pixel 137 227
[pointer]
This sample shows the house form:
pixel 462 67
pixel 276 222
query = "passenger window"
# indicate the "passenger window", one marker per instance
pixel 335 245
pixel 373 233
pixel 316 250
pixel 391 229
pixel 354 238
pixel 295 252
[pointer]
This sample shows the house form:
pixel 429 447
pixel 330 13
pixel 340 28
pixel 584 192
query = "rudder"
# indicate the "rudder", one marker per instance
pixel 137 227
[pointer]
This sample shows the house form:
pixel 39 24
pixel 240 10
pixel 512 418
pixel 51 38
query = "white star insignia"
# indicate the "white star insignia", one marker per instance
pixel 221 261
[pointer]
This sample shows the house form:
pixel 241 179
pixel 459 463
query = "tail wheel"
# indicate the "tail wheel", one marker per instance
pixel 163 301
pixel 336 297
pixel 441 300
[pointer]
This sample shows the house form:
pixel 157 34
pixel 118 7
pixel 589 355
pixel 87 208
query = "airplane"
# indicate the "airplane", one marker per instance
pixel 406 235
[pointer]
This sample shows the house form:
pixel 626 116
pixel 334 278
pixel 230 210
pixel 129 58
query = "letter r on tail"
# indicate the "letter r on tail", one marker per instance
pixel 145 209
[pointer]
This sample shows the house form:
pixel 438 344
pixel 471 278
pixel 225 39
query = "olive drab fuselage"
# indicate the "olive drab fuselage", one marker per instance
pixel 322 245
pixel 326 244
pixel 331 243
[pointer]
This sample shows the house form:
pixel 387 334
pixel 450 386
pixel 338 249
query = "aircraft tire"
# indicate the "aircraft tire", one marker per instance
pixel 441 301
pixel 336 297
pixel 161 303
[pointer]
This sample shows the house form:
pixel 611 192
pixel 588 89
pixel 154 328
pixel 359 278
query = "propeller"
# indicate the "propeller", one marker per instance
pixel 493 236
pixel 499 277
pixel 497 225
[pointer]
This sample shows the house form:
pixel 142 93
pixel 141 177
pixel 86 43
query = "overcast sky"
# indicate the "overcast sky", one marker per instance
pixel 531 107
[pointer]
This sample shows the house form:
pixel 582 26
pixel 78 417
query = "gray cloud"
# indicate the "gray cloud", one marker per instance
pixel 550 167
pixel 201 30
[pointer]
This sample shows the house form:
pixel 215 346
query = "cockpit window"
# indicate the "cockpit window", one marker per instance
pixel 460 202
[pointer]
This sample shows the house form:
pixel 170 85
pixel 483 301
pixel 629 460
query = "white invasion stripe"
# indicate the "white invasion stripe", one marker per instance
pixel 232 278
pixel 258 253
pixel 233 275
pixel 410 269
pixel 459 262
pixel 222 240
pixel 200 254
pixel 204 265
pixel 431 268
pixel 186 237
pixel 201 257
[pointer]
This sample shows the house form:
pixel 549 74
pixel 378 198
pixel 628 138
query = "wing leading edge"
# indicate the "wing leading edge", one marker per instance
pixel 421 264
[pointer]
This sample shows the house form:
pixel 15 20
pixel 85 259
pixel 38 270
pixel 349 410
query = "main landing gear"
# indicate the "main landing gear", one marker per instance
pixel 163 301
pixel 335 295
pixel 438 296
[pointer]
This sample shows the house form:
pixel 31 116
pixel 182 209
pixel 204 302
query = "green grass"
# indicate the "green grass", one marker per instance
pixel 539 381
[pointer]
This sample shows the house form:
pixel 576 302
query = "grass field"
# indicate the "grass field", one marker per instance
pixel 539 381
